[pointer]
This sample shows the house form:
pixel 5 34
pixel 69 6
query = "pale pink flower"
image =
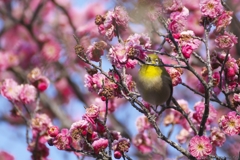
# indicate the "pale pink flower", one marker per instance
pixel 217 136
pixel 176 26
pixel 94 82
pixel 230 123
pixel 27 94
pixel 51 50
pixel 121 17
pixel 96 50
pixel 121 144
pixel 193 23
pixel 41 122
pixel 62 140
pixel 10 89
pixel 100 145
pixel 183 136
pixel 143 143
pixel 226 41
pixel 211 8
pixel 200 147
pixel 199 108
pixel 142 123
pixel 236 99
pixel 34 75
pixel 223 20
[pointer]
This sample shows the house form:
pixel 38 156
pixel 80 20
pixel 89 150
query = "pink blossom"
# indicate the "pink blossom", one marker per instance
pixel 41 122
pixel 231 68
pixel 200 147
pixel 199 108
pixel 230 123
pixel 193 22
pixel 183 136
pixel 178 20
pixel 51 50
pixel 223 20
pixel 94 82
pixel 10 89
pixel 41 149
pixel 34 75
pixel 154 13
pixel 211 8
pixel 175 74
pixel 100 145
pixel 27 94
pixel 62 141
pixel 143 143
pixel 53 131
pixel 176 26
pixel 117 154
pixel 142 123
pixel 187 51
pixel 236 99
pixel 95 51
pixel 226 41
pixel 121 17
pixel 121 144
pixel 42 84
pixel 3 61
pixel 217 136
pixel 92 111
pixel 79 129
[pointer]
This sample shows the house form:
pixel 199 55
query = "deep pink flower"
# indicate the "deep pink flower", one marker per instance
pixel 53 131
pixel 211 8
pixel 187 51
pixel 96 50
pixel 200 147
pixel 117 154
pixel 100 145
pixel 230 123
pixel 27 94
pixel 226 41
pixel 42 84
pixel 121 144
pixel 223 20
pixel 143 143
pixel 231 68
pixel 51 50
pixel 10 89
pixel 62 140
pixel 217 136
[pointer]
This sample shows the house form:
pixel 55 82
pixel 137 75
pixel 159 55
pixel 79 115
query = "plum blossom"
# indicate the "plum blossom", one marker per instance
pixel 226 41
pixel 62 140
pixel 217 136
pixel 143 143
pixel 236 99
pixel 211 8
pixel 100 145
pixel 27 94
pixel 200 147
pixel 53 131
pixel 79 129
pixel 230 123
pixel 142 123
pixel 199 108
pixel 10 89
pixel 223 20
pixel 41 122
pixel 231 68
pixel 175 74
pixel 172 5
pixel 51 50
pixel 6 155
pixel 118 18
pixel 121 144
pixel 182 136
pixel 96 50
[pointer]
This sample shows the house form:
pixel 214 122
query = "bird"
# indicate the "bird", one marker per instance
pixel 154 82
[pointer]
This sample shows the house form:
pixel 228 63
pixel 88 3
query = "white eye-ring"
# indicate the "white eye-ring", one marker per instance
pixel 157 61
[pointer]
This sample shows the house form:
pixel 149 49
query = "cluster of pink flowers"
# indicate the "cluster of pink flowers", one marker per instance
pixel 187 42
pixel 40 81
pixel 122 55
pixel 105 87
pixel 112 21
pixel 175 74
pixel 90 130
pixel 199 108
pixel 24 93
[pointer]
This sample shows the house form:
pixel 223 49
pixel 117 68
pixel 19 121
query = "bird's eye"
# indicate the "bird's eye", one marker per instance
pixel 156 61
pixel 148 59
